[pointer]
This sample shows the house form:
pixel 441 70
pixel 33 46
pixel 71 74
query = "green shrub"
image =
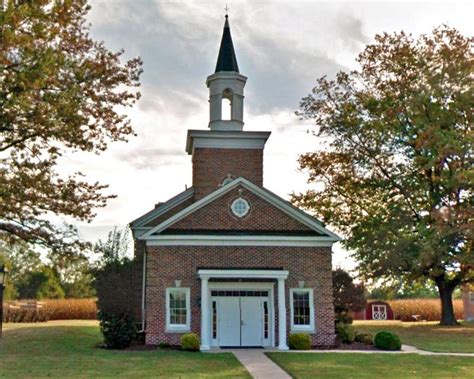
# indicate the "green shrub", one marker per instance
pixel 366 338
pixel 345 332
pixel 164 345
pixel 118 330
pixel 190 342
pixel 299 341
pixel 387 341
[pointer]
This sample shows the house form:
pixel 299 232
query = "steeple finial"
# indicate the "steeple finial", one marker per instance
pixel 226 11
pixel 226 61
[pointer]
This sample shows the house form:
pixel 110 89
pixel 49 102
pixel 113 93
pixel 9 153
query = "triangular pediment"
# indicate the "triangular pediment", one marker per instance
pixel 269 215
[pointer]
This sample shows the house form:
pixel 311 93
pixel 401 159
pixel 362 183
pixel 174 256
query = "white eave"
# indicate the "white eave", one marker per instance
pixel 140 222
pixel 225 140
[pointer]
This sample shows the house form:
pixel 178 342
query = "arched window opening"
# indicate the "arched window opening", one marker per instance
pixel 226 109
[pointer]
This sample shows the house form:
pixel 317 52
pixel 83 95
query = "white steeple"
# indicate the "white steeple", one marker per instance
pixel 226 85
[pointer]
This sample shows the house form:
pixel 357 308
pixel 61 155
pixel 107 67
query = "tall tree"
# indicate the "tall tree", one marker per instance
pixel 60 92
pixel 396 174
pixel 114 249
pixel 348 296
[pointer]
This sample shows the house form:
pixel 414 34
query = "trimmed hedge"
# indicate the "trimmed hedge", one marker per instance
pixel 299 341
pixel 190 342
pixel 387 341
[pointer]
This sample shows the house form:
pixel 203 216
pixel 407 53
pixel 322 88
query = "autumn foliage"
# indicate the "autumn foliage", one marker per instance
pixel 394 163
pixel 61 92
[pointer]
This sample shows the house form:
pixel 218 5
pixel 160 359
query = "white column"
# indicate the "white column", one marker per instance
pixel 205 321
pixel 281 315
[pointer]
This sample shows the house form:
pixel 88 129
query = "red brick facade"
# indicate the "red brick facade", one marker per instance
pixel 211 167
pixel 167 264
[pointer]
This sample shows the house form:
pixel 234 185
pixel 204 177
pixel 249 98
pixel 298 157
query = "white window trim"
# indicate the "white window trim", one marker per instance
pixel 178 328
pixel 303 328
pixel 233 207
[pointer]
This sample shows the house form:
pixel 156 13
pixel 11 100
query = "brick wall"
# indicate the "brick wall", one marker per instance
pixel 211 166
pixel 166 264
pixel 218 216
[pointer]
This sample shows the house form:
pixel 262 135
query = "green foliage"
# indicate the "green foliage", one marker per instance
pixel 299 341
pixel 348 296
pixel 387 341
pixel 164 345
pixel 190 342
pixel 396 174
pixel 44 284
pixel 29 277
pixel 116 296
pixel 115 248
pixel 60 91
pixel 366 338
pixel 345 332
pixel 119 330
pixel 398 289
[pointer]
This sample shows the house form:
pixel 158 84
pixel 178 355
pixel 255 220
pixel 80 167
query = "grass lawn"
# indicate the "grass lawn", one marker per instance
pixel 62 349
pixel 388 366
pixel 427 336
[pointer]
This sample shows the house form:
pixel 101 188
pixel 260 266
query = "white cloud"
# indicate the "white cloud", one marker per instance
pixel 282 46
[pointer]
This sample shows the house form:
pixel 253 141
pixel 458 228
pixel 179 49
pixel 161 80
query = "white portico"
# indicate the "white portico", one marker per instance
pixel 236 311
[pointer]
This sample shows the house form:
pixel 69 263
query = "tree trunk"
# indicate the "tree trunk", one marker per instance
pixel 447 309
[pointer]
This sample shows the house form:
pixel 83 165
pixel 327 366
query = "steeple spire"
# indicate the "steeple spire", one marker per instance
pixel 226 61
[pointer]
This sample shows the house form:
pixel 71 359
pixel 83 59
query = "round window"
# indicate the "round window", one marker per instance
pixel 240 207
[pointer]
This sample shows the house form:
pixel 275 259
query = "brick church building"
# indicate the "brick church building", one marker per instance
pixel 227 258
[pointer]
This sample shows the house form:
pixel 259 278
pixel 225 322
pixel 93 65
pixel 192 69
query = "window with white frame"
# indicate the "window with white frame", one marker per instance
pixel 302 309
pixel 178 310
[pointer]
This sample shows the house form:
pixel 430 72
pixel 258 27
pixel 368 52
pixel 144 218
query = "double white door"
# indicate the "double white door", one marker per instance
pixel 240 321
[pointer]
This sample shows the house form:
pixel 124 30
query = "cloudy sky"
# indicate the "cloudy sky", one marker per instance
pixel 281 46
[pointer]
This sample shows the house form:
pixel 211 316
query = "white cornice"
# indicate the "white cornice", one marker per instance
pixel 240 240
pixel 225 139
pixel 250 274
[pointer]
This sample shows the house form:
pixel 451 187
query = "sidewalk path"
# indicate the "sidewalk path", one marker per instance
pixel 406 349
pixel 259 365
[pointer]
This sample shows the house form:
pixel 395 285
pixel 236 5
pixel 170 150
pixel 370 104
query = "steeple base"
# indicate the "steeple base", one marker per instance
pixel 226 125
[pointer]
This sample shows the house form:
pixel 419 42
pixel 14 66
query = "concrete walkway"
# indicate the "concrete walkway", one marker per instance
pixel 406 349
pixel 259 365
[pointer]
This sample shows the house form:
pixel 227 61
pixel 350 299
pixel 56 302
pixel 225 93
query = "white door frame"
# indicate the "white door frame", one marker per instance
pixel 205 275
pixel 246 286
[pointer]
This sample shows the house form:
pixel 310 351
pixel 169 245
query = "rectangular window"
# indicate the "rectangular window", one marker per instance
pixel 178 312
pixel 214 319
pixel 302 309
pixel 265 319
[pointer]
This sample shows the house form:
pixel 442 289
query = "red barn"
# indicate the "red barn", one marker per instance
pixel 375 310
